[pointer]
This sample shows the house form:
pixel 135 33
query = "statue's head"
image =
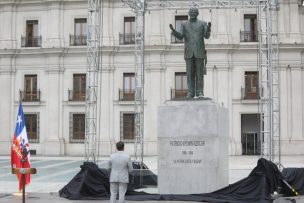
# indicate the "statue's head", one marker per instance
pixel 193 13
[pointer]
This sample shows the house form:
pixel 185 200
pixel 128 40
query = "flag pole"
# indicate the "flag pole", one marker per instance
pixel 23 160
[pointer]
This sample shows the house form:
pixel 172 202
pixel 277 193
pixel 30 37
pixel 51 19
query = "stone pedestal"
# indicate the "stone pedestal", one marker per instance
pixel 192 147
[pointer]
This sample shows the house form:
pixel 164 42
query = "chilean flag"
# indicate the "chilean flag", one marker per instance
pixel 20 147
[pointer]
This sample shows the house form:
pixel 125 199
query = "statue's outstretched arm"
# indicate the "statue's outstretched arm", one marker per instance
pixel 175 33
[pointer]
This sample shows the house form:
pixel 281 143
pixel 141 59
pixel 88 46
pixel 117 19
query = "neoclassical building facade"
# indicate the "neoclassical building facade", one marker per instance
pixel 43 64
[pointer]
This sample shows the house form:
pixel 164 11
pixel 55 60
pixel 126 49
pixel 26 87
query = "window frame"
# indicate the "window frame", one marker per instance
pixel 35 115
pixel 72 138
pixel 81 37
pixel 32 37
pixel 128 36
pixel 251 84
pixel 122 127
pixel 128 93
pixel 251 34
pixel 79 81
pixel 250 131
pixel 31 92
pixel 179 93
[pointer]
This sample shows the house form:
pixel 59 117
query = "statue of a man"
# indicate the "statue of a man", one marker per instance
pixel 193 32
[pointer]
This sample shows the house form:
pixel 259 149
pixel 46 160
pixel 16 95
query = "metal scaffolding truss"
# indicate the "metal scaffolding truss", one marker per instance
pixel 93 61
pixel 139 9
pixel 269 80
pixel 269 106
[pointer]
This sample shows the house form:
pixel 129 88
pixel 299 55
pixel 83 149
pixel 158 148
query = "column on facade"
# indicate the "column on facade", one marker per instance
pixel 296 103
pixel 289 22
pixel 7 109
pixel 223 87
pixel 222 26
pixel 53 25
pixel 107 29
pixel 214 19
pixel 302 95
pixel 285 120
pixel 214 83
pixel 54 143
pixel 153 89
pixel 7 32
pixel 294 17
pixel 156 29
pixel 105 109
pixel 291 109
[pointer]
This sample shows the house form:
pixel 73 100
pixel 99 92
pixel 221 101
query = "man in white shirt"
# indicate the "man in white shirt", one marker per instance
pixel 121 166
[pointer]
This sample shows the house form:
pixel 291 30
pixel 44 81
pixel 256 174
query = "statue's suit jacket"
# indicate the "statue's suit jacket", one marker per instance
pixel 194 34
pixel 120 165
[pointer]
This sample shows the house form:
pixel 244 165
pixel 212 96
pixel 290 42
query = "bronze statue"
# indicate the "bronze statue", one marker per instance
pixel 193 32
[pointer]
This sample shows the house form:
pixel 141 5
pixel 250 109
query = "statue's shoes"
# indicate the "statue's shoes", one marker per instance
pixel 189 96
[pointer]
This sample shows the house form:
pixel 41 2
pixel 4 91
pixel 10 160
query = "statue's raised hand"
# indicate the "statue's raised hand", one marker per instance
pixel 209 27
pixel 171 27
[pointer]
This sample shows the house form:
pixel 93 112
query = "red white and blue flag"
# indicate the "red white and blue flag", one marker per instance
pixel 19 144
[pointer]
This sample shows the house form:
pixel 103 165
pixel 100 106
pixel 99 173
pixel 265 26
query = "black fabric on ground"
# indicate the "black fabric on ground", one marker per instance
pixel 93 182
pixel 257 187
pixel 90 183
pixel 295 177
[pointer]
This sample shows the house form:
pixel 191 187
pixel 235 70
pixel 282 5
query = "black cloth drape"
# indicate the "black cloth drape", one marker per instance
pixel 90 183
pixel 295 177
pixel 257 187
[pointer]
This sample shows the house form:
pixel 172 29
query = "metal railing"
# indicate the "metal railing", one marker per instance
pixel 126 38
pixel 248 36
pixel 78 40
pixel 253 95
pixel 76 95
pixel 251 144
pixel 126 95
pixel 27 96
pixel 178 94
pixel 34 41
pixel 77 137
pixel 175 40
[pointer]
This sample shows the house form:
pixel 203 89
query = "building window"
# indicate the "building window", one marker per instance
pixel 77 127
pixel 32 38
pixel 179 20
pixel 79 88
pixel 251 141
pixel 128 91
pixel 128 36
pixel 30 93
pixel 250 29
pixel 180 90
pixel 80 32
pixel 127 126
pixel 251 90
pixel 32 126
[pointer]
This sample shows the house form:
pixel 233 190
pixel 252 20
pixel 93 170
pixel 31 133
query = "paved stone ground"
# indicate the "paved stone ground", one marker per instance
pixel 55 172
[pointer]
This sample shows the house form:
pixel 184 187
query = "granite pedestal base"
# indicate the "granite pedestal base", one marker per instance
pixel 192 147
